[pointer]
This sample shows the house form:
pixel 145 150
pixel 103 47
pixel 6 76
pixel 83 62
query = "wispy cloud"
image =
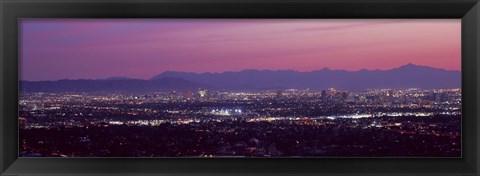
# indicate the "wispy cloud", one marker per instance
pixel 349 26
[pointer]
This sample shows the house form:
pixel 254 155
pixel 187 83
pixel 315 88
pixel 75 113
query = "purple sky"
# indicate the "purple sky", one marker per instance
pixel 142 48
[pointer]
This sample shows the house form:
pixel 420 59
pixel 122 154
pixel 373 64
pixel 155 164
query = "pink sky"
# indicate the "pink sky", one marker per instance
pixel 143 48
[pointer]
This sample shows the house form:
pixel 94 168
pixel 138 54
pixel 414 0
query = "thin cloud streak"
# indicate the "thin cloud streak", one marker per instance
pixel 349 26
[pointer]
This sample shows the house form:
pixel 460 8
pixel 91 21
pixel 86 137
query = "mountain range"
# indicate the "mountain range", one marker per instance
pixel 406 76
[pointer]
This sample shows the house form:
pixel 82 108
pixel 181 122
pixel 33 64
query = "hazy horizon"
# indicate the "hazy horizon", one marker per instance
pixel 122 76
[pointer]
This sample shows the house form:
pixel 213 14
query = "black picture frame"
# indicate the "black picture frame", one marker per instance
pixel 13 10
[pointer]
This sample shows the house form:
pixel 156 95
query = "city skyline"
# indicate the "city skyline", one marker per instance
pixel 140 49
pixel 269 123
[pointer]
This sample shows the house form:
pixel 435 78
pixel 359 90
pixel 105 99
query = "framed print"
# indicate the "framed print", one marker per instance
pixel 239 87
pixel 245 88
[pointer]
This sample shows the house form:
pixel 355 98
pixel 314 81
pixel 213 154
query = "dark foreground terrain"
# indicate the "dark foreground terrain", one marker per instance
pixel 367 137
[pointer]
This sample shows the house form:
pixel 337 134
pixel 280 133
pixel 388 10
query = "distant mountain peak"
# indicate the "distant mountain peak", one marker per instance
pixel 413 66
pixel 118 78
pixel 409 65
pixel 325 69
pixel 251 70
pixel 171 72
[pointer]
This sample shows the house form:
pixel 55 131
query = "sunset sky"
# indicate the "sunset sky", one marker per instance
pixel 142 48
